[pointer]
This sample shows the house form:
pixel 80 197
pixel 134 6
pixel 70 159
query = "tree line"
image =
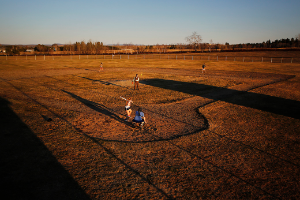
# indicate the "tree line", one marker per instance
pixel 193 45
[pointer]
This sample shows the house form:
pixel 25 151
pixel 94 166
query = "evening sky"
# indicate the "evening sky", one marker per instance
pixel 147 22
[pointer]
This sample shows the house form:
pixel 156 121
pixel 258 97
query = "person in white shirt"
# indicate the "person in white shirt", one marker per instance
pixel 136 80
pixel 127 108
pixel 203 68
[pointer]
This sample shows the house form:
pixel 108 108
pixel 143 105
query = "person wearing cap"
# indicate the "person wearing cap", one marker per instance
pixel 136 80
pixel 139 117
pixel 203 68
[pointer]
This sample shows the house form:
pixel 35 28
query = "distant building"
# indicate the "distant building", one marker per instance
pixel 127 51
pixel 56 47
pixel 2 50
pixel 29 50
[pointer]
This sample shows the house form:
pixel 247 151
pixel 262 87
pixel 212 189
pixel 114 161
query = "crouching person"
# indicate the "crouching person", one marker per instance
pixel 139 117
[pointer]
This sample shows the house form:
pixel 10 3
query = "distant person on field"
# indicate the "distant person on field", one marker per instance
pixel 136 80
pixel 139 117
pixel 203 68
pixel 128 108
pixel 101 67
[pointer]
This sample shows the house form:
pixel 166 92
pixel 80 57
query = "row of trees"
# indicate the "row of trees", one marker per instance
pixel 195 40
pixel 194 43
pixel 85 48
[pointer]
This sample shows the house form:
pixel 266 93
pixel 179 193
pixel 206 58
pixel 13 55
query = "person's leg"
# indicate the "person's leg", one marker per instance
pixel 127 114
pixel 142 124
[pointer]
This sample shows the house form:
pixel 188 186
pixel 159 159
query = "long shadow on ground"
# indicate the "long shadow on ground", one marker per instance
pixel 276 105
pixel 97 107
pixel 100 81
pixel 28 170
pixel 149 130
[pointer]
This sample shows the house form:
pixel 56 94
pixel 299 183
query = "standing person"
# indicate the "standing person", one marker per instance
pixel 139 117
pixel 127 108
pixel 136 80
pixel 203 68
pixel 101 67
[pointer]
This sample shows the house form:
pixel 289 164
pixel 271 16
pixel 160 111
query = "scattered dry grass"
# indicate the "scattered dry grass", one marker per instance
pixel 208 136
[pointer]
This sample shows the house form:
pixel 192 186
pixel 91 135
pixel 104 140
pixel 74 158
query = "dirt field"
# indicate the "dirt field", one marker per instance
pixel 229 133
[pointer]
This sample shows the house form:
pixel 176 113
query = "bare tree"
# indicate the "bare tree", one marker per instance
pixel 90 47
pixel 211 43
pixel 83 47
pixel 77 47
pixel 297 41
pixel 99 47
pixel 194 40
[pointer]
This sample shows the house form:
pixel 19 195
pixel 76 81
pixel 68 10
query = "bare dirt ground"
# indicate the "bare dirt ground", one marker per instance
pixel 225 134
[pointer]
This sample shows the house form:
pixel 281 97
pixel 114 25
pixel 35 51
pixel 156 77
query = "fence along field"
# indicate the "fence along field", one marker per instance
pixel 208 57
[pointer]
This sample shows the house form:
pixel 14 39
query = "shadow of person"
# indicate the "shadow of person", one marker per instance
pixel 28 169
pixel 98 108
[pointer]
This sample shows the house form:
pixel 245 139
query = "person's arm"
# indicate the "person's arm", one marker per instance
pixel 144 118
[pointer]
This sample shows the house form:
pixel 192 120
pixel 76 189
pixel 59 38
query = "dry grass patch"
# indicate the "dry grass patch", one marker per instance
pixel 204 138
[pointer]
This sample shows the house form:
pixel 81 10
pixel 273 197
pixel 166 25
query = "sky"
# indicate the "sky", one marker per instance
pixel 147 22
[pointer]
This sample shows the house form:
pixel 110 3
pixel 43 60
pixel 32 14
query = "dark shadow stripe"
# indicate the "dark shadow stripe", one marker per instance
pixel 28 169
pixel 276 105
